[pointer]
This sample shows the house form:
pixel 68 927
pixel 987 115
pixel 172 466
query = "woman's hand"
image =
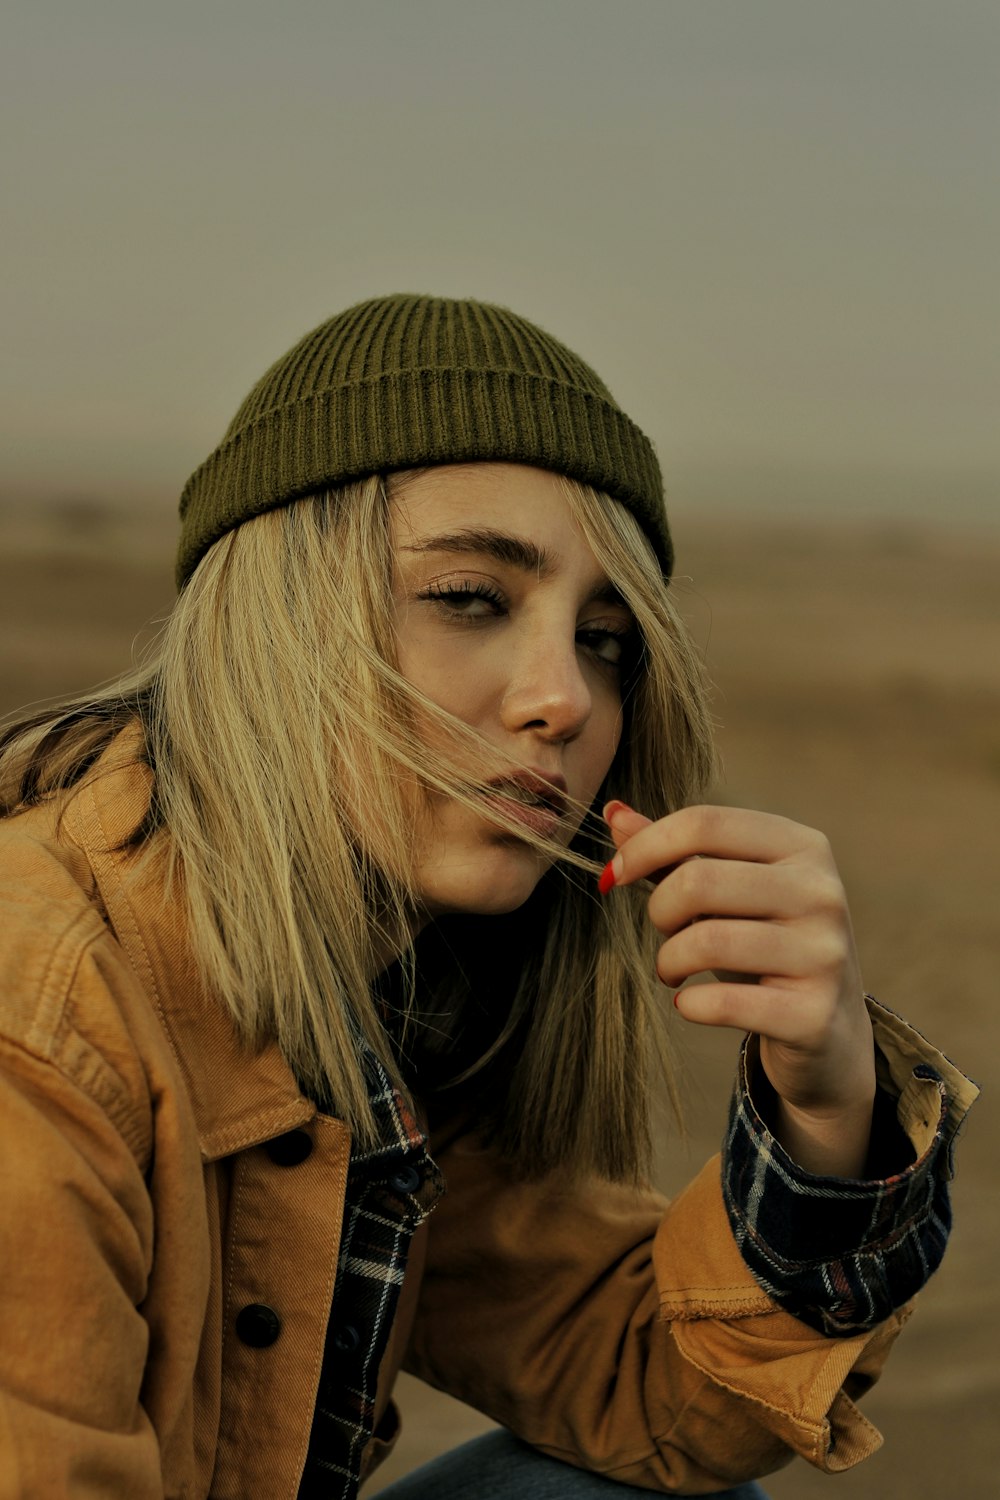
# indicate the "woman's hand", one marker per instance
pixel 757 900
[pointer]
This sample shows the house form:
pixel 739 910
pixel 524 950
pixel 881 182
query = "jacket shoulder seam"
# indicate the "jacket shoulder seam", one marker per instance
pixel 54 1039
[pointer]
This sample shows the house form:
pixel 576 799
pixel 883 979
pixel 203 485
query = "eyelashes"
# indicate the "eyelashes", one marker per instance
pixel 460 597
pixel 470 601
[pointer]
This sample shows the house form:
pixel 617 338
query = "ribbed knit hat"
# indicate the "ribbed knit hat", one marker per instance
pixel 405 382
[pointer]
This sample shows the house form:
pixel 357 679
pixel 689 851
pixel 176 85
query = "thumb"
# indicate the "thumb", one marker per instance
pixel 624 822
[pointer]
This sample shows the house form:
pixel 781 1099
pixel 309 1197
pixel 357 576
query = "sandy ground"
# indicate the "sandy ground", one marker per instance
pixel 856 668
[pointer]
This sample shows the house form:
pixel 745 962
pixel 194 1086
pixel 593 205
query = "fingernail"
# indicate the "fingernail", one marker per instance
pixel 610 874
pixel 614 807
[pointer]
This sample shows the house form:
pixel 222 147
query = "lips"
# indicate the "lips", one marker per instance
pixel 537 802
pixel 547 793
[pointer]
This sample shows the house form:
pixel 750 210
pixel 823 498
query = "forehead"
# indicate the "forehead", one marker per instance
pixel 515 498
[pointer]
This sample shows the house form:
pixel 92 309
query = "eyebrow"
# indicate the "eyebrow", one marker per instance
pixel 503 545
pixel 515 551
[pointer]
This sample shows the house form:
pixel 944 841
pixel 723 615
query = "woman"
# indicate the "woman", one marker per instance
pixel 325 1052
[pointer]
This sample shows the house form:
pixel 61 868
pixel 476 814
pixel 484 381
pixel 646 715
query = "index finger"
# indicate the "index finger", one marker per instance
pixel 721 832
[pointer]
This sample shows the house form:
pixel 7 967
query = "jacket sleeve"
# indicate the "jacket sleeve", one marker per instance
pixel 76 1244
pixel 626 1335
pixel 629 1336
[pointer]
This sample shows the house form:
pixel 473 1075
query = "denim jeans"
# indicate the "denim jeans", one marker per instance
pixel 499 1467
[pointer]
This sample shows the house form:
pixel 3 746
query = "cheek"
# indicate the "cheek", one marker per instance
pixel 444 676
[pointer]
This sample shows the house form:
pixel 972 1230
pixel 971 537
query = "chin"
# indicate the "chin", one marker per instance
pixel 493 883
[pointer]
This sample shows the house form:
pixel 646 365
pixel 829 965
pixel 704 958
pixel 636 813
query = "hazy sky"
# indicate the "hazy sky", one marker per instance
pixel 772 225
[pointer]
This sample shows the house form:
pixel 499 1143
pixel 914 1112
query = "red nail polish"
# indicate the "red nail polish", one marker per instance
pixel 607 879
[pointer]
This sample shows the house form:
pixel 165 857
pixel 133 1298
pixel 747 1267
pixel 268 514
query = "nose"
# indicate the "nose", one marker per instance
pixel 546 691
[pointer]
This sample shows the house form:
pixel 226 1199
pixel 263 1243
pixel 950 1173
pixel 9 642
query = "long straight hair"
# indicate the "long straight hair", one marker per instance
pixel 292 763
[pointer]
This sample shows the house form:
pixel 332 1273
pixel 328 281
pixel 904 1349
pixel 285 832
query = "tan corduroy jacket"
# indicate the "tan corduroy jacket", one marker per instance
pixel 140 1211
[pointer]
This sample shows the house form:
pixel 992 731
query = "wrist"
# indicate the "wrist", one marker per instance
pixel 832 1141
pixel 833 1144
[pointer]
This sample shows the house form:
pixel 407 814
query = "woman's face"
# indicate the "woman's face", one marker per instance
pixel 505 619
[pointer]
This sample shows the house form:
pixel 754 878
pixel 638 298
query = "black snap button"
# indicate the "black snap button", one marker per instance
pixel 258 1325
pixel 288 1150
pixel 346 1338
pixel 406 1180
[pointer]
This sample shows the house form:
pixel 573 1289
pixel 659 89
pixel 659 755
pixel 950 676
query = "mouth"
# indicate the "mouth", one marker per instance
pixel 538 802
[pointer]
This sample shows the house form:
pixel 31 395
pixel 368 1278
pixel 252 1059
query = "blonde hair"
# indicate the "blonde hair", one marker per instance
pixel 273 714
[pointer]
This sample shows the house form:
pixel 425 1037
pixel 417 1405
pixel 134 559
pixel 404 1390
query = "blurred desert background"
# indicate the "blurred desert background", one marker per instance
pixel 856 679
pixel 773 228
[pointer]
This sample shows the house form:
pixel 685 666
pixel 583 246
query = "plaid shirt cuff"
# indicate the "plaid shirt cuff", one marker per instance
pixel 842 1254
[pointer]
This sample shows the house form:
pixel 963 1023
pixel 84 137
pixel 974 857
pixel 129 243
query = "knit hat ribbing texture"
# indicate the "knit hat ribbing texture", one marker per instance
pixel 406 382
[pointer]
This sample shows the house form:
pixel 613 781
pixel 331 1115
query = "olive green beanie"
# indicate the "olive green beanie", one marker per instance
pixel 405 382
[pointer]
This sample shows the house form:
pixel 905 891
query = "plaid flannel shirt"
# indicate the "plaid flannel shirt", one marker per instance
pixel 837 1253
pixel 391 1189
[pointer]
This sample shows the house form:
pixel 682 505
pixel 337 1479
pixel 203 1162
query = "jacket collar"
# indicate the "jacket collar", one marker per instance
pixel 240 1097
